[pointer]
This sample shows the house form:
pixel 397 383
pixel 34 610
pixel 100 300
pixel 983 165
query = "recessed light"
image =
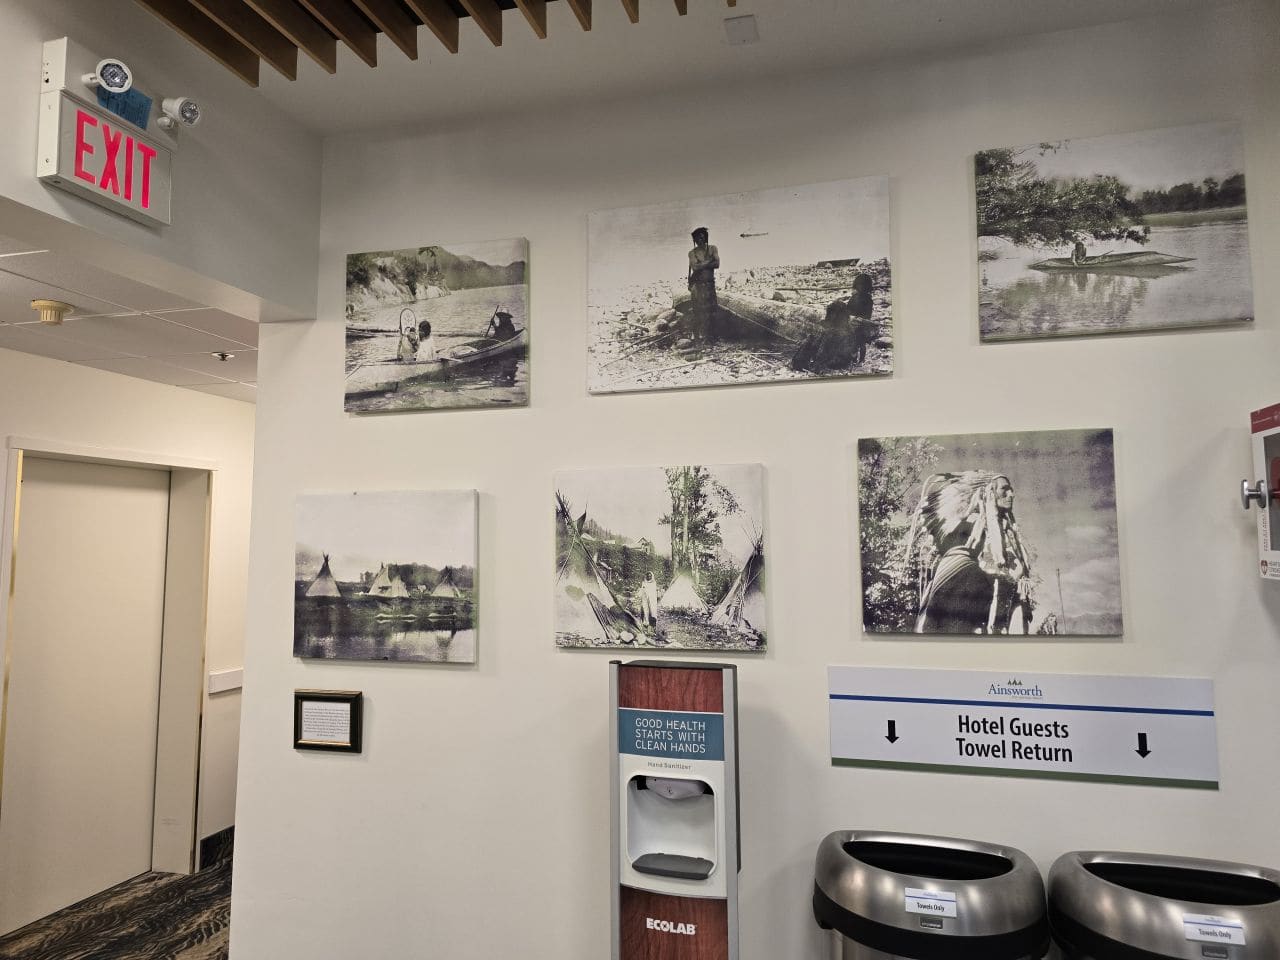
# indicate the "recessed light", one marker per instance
pixel 741 30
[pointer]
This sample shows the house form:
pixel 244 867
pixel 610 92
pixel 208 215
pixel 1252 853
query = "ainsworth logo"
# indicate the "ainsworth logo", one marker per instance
pixel 1014 688
pixel 666 926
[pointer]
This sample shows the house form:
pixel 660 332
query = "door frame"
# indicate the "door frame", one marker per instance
pixel 184 633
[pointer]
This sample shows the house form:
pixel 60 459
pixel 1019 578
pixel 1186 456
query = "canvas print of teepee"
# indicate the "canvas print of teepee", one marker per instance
pixel 661 557
pixel 386 576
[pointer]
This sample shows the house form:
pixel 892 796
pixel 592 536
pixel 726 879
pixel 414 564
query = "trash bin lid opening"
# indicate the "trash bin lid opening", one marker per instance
pixel 933 862
pixel 1210 887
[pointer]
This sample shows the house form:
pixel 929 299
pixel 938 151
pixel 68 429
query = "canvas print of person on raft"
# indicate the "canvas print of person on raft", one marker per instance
pixel 1140 231
pixel 783 284
pixel 661 557
pixel 438 326
pixel 1003 534
pixel 387 575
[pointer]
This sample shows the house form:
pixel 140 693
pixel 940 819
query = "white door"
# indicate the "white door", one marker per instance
pixel 84 673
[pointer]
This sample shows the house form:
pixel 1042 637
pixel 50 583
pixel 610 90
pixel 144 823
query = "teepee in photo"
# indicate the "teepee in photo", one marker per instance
pixel 324 585
pixel 586 611
pixel 446 589
pixel 681 596
pixel 743 606
pixel 386 586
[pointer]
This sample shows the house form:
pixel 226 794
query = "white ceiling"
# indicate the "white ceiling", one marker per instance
pixel 134 329
pixel 123 326
pixel 662 52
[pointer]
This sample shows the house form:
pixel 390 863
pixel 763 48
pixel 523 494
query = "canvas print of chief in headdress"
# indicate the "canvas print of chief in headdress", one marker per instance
pixel 1005 534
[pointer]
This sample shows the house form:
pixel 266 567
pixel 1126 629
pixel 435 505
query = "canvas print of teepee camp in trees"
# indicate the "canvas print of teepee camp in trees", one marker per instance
pixel 661 557
pixel 1139 231
pixel 386 576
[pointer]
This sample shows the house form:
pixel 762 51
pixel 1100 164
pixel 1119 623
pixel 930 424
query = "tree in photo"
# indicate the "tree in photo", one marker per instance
pixel 1015 203
pixel 887 471
pixel 698 501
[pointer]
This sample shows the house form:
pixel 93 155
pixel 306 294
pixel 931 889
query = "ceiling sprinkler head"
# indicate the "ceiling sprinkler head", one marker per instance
pixel 222 355
pixel 51 311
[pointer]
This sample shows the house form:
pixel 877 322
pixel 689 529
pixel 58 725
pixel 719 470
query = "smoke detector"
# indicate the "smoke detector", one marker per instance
pixel 51 311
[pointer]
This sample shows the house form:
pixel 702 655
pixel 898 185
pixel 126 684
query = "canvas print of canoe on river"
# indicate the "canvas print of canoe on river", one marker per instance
pixel 784 284
pixel 656 557
pixel 992 534
pixel 435 327
pixel 1138 231
pixel 386 576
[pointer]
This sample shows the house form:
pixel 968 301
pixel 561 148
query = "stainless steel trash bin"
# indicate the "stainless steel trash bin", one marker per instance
pixel 901 895
pixel 1134 906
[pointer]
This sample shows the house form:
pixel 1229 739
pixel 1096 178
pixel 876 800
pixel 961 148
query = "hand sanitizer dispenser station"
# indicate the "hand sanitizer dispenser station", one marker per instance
pixel 675 810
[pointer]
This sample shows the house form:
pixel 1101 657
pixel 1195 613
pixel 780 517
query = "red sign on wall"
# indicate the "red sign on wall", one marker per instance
pixel 102 158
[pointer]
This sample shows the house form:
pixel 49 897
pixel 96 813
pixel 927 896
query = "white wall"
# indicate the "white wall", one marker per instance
pixel 49 400
pixel 476 822
pixel 245 184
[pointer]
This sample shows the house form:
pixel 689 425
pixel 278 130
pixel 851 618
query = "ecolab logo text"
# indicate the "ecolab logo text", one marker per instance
pixel 666 926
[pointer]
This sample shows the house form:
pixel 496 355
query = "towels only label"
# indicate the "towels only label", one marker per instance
pixel 937 903
pixel 1212 929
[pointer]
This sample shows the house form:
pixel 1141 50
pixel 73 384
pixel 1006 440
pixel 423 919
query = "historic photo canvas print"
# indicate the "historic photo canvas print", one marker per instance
pixel 436 327
pixel 386 576
pixel 1004 534
pixel 661 557
pixel 784 284
pixel 1139 231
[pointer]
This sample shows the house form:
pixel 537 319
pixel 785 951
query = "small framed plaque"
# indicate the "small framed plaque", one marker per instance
pixel 327 720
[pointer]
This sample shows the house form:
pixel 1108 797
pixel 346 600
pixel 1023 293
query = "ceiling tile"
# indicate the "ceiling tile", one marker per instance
pixel 71 274
pixel 236 391
pixel 149 369
pixel 32 338
pixel 140 335
pixel 243 366
pixel 216 322
pixel 11 245
pixel 17 292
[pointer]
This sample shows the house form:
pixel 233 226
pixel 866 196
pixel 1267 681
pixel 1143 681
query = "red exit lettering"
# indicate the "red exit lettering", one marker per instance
pixel 92 135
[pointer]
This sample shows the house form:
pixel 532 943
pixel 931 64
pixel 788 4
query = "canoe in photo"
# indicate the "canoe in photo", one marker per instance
pixel 1108 261
pixel 385 376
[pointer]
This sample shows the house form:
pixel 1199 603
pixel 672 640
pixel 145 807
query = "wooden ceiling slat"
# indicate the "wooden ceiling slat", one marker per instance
pixel 254 32
pixel 535 11
pixel 582 10
pixel 388 17
pixel 633 10
pixel 682 7
pixel 488 17
pixel 341 19
pixel 440 20
pixel 208 36
pixel 301 28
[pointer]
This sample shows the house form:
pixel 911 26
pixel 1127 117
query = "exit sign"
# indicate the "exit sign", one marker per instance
pixel 103 158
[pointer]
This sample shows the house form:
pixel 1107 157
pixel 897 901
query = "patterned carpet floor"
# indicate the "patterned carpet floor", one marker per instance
pixel 157 916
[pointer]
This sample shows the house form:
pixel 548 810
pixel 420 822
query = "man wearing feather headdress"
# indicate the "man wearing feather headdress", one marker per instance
pixel 974 572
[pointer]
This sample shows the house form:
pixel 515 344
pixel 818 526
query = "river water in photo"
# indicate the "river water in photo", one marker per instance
pixel 1214 287
pixel 329 628
pixel 454 320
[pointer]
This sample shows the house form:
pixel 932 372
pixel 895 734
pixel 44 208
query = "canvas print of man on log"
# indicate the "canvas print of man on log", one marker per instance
pixel 386 576
pixel 1140 231
pixel 438 326
pixel 783 284
pixel 661 557
pixel 1001 534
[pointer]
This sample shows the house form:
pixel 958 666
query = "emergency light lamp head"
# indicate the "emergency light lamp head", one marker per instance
pixel 112 75
pixel 176 110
